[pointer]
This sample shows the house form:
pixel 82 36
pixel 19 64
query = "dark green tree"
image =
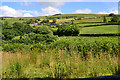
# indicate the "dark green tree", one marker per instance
pixel 68 30
pixel 114 19
pixel 111 14
pixel 104 19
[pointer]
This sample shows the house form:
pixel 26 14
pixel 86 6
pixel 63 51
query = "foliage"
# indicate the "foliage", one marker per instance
pixel 111 14
pixel 86 44
pixel 41 54
pixel 68 30
pixel 57 64
pixel 45 21
pixel 13 46
pixel 23 28
pixel 104 19
pixel 9 33
pixel 114 19
pixel 43 30
pixel 32 38
pixel 29 21
pixel 17 29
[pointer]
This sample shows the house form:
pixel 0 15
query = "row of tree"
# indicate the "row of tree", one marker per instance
pixel 114 18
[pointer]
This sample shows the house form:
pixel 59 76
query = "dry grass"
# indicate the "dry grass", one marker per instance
pixel 60 64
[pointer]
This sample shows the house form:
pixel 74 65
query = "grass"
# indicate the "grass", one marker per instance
pixel 89 24
pixel 58 64
pixel 100 29
pixel 61 63
pixel 68 57
pixel 99 20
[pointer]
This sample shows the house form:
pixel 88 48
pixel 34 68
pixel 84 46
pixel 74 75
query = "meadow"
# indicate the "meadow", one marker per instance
pixel 104 29
pixel 36 52
pixel 68 57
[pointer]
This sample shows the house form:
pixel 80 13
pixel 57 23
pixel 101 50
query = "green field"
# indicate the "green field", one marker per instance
pixel 89 24
pixel 105 29
pixel 35 52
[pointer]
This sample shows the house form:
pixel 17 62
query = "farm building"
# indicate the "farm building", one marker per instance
pixel 33 24
pixel 68 22
pixel 40 23
pixel 53 24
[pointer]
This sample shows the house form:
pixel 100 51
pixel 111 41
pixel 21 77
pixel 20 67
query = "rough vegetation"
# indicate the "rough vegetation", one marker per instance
pixel 59 52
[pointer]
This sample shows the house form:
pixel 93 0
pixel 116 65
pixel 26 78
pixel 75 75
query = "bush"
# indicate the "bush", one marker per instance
pixel 25 39
pixel 111 14
pixel 43 30
pixel 22 28
pixel 68 30
pixel 45 21
pixel 9 33
pixel 39 45
pixel 114 19
pixel 32 38
pixel 13 46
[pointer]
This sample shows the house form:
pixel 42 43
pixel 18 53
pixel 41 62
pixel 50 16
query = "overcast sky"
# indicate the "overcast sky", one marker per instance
pixel 30 9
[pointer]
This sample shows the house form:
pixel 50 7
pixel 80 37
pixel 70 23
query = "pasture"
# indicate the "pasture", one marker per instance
pixel 104 29
pixel 42 52
pixel 60 63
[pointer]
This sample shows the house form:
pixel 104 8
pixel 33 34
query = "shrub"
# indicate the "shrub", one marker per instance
pixel 32 38
pixel 22 28
pixel 25 39
pixel 45 21
pixel 114 19
pixel 43 30
pixel 9 33
pixel 68 30
pixel 13 46
pixel 111 14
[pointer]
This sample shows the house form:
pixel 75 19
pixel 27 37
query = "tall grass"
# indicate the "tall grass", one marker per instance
pixel 58 63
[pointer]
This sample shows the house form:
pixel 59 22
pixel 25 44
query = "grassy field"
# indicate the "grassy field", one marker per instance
pixel 105 29
pixel 57 64
pixel 89 24
pixel 60 63
pixel 98 20
pixel 78 15
pixel 40 54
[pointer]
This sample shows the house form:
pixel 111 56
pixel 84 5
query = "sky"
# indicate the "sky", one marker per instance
pixel 34 9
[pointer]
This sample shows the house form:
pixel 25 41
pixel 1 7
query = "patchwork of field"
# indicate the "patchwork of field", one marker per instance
pixel 39 52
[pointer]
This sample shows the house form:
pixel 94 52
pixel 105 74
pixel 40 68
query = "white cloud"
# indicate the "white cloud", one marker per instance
pixel 27 15
pixel 104 12
pixel 85 11
pixel 115 11
pixel 112 11
pixel 6 11
pixel 33 12
pixel 50 11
